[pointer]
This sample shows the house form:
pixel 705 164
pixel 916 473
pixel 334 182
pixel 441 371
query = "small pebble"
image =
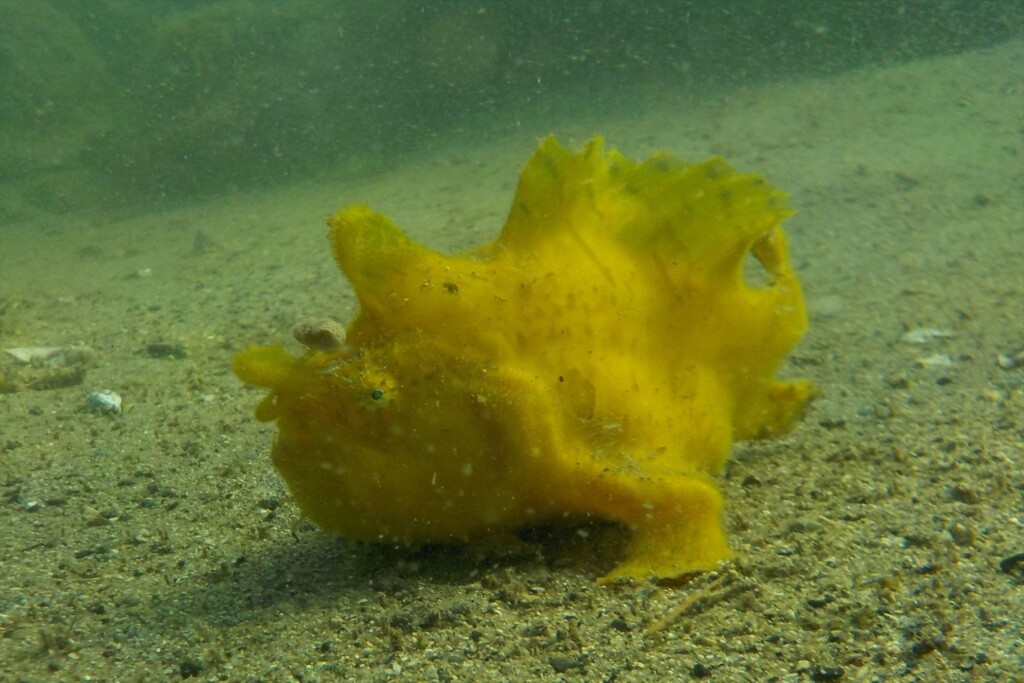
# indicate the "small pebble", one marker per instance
pixel 828 306
pixel 925 335
pixel 190 668
pixel 962 535
pixel 166 350
pixel 898 381
pixel 823 674
pixel 883 411
pixel 700 670
pixel 561 663
pixel 938 360
pixel 34 353
pixel 1014 564
pixel 619 624
pixel 105 401
pixel 818 603
pixel 1011 361
pixel 962 493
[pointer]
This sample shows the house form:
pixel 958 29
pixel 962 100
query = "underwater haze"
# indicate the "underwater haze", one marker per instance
pixel 136 104
pixel 451 321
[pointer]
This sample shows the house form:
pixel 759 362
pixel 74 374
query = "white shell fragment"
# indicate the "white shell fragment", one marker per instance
pixel 1010 361
pixel 939 360
pixel 105 401
pixel 925 335
pixel 27 354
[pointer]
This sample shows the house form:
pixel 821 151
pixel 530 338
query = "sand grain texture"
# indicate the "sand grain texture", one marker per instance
pixel 159 544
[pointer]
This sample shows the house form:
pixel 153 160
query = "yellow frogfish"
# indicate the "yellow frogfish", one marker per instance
pixel 597 359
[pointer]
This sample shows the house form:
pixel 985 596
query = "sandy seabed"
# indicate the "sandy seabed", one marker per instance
pixel 876 542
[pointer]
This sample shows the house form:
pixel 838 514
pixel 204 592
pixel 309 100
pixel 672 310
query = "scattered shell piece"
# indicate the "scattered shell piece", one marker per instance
pixel 828 306
pixel 105 401
pixel 925 335
pixel 27 354
pixel 939 360
pixel 1011 361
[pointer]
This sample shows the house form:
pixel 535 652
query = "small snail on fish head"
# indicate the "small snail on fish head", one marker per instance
pixel 321 335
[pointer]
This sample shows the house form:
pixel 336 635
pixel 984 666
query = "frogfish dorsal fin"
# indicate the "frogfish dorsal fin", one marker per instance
pixel 704 215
